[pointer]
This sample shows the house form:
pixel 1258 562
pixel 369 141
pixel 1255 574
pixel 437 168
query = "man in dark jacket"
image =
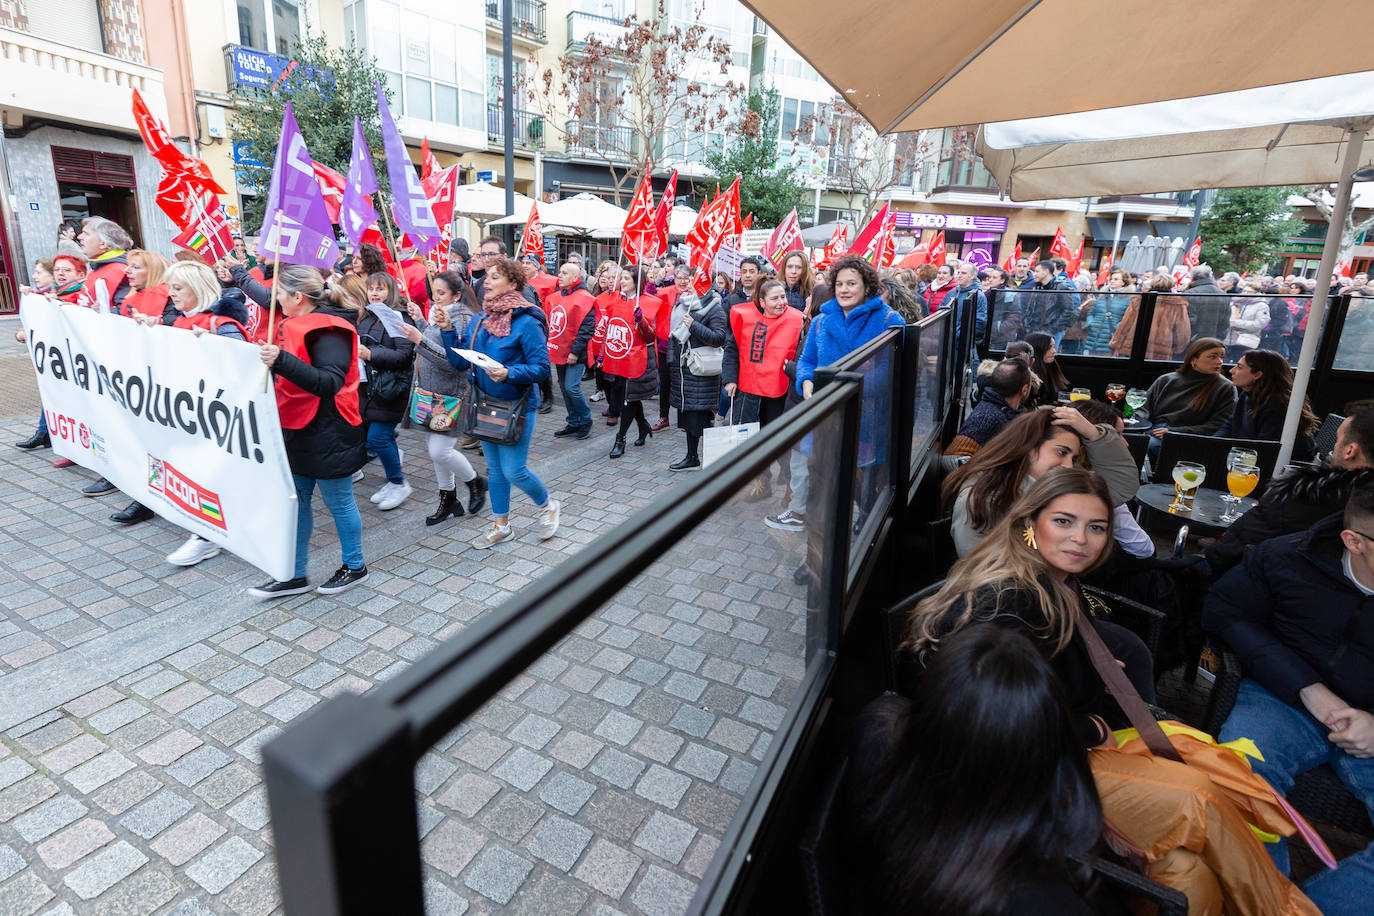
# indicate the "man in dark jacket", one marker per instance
pixel 1209 308
pixel 1304 495
pixel 1005 390
pixel 1300 614
pixel 570 292
pixel 1051 303
pixel 749 270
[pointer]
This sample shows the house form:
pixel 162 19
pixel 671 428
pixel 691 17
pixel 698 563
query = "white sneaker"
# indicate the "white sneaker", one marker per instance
pixel 382 492
pixel 192 552
pixel 597 396
pixel 548 520
pixel 399 493
pixel 492 537
pixel 358 475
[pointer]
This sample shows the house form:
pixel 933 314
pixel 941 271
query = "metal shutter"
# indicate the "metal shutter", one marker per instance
pixel 83 166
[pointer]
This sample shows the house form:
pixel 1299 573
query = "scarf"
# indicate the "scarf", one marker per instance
pixel 686 302
pixel 498 310
pixel 68 290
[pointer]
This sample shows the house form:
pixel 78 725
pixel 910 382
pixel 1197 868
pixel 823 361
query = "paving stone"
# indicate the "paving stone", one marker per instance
pixel 691 720
pixel 223 786
pixel 102 871
pixel 450 847
pixel 534 731
pixel 566 792
pixel 608 868
pixel 251 810
pixel 497 874
pixel 222 865
pixel 169 748
pixel 94 701
pixel 511 816
pixel 440 898
pixel 662 786
pixel 559 841
pixel 12 770
pixel 156 814
pixel 24 795
pixel 616 691
pixel 74 752
pixel 197 765
pixel 95 773
pixel 25 894
pixel 684 686
pixel 158 684
pixel 762 712
pixel 185 841
pixel 576 749
pixel 11 862
pixel 701 761
pixel 617 768
pixel 666 837
pixel 662 893
pixel 190 656
pixel 618 728
pixel 657 744
pixel 48 818
pixel 291 705
pixel 72 844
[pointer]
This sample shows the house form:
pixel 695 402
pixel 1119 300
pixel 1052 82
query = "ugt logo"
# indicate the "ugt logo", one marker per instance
pixel 618 338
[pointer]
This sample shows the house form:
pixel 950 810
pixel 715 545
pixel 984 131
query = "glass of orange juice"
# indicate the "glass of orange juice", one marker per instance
pixel 1080 394
pixel 1242 476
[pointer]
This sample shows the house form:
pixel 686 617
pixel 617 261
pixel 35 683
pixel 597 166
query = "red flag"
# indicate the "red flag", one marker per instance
pixel 639 238
pixel 1059 248
pixel 1194 255
pixel 662 214
pixel 1342 269
pixel 207 235
pixel 159 143
pixel 1105 271
pixel 885 249
pixel 835 247
pixel 748 222
pixel 787 237
pixel 332 186
pixel 917 256
pixel 532 239
pixel 1034 255
pixel 1010 263
pixel 864 241
pixel 736 225
pixel 937 253
pixel 1076 260
pixel 439 189
pixel 428 164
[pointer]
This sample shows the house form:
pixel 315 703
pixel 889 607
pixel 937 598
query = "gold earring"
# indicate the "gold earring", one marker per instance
pixel 1028 535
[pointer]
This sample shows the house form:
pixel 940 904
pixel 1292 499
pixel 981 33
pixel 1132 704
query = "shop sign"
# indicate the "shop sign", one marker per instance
pixel 260 70
pixel 959 221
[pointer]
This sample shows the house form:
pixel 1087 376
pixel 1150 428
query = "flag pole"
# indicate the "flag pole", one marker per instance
pixel 272 303
pixel 391 239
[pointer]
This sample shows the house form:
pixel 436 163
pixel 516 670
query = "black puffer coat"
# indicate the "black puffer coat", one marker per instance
pixel 391 356
pixel 1294 502
pixel 709 327
pixel 327 447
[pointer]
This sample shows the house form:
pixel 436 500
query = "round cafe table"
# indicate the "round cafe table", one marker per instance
pixel 1207 510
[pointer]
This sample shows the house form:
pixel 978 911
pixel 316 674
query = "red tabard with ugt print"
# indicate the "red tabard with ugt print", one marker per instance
pixel 622 352
pixel 566 314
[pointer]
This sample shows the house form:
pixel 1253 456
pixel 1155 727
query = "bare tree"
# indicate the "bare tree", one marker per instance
pixel 863 166
pixel 1323 198
pixel 634 92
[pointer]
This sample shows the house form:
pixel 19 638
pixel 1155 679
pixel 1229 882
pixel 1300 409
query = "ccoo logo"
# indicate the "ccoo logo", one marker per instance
pixel 618 338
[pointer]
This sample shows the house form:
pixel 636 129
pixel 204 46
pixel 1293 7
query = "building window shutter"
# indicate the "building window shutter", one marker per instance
pixel 81 166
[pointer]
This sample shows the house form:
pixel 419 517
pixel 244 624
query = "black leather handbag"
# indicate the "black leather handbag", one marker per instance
pixel 496 420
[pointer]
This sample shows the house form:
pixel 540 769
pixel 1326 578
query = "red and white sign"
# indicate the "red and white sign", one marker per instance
pixel 618 340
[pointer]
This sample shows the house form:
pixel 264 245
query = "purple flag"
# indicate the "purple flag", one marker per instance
pixel 410 205
pixel 296 226
pixel 356 212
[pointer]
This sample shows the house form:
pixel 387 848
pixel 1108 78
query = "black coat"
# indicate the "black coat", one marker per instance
pixel 327 447
pixel 1294 502
pixel 391 356
pixel 1209 310
pixel 1294 618
pixel 709 329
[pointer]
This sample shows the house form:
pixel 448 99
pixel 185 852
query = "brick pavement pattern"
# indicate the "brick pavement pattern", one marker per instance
pixel 135 695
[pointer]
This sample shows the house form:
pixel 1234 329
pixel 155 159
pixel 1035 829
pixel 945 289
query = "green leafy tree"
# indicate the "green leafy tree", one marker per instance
pixel 768 189
pixel 1245 227
pixel 327 87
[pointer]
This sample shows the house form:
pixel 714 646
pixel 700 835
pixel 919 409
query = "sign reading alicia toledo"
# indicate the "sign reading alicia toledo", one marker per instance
pixel 178 422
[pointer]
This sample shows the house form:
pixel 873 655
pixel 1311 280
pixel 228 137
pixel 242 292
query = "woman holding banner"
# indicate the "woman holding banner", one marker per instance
pixel 629 353
pixel 667 291
pixel 147 290
pixel 315 361
pixel 68 276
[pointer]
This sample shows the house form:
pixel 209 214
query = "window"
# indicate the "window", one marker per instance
pixel 286 24
pixel 275 28
pixel 386 35
pixel 417 44
pixel 958 165
pixel 355 24
pixel 418 104
pixel 252 25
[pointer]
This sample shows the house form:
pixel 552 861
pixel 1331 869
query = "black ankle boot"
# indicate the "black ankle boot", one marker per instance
pixel 644 432
pixel 477 494
pixel 686 464
pixel 449 507
pixel 619 448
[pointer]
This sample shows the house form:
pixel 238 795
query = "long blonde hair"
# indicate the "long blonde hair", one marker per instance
pixel 153 262
pixel 1003 561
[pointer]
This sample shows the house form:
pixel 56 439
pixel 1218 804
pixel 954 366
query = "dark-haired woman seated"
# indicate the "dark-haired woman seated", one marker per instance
pixel 1265 382
pixel 1024 577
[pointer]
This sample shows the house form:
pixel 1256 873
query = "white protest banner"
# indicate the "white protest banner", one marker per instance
pixel 178 422
pixel 728 261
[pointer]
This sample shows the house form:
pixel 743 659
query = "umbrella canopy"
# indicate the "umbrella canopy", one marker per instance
pixel 819 234
pixel 680 221
pixel 1131 258
pixel 970 54
pixel 582 214
pixel 483 200
pixel 1309 132
pixel 1272 136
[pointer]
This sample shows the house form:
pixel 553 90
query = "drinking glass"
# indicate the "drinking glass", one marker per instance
pixel 1188 476
pixel 1116 391
pixel 1242 476
pixel 1080 394
pixel 1135 399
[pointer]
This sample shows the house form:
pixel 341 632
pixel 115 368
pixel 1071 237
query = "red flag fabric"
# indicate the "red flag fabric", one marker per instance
pixel 160 145
pixel 736 225
pixel 1194 255
pixel 207 235
pixel 701 271
pixel 1342 269
pixel 1059 248
pixel 428 164
pixel 917 256
pixel 332 186
pixel 1076 259
pixel 639 238
pixel 749 221
pixel 1010 263
pixel 439 189
pixel 937 249
pixel 1104 271
pixel 532 239
pixel 835 247
pixel 864 241
pixel 786 237
pixel 662 214
pixel 885 250
pixel 1035 256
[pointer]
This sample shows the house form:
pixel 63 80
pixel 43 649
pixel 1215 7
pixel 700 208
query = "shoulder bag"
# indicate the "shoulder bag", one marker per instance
pixel 704 362
pixel 500 421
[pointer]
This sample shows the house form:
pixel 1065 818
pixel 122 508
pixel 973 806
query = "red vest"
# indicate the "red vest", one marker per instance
pixel 566 314
pixel 544 284
pixel 209 322
pixel 150 300
pixel 623 353
pixel 296 407
pixel 601 303
pixel 257 274
pixel 765 345
pixel 103 284
pixel 663 323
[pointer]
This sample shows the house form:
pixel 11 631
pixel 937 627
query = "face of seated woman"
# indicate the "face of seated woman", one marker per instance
pixel 1060 450
pixel 1071 533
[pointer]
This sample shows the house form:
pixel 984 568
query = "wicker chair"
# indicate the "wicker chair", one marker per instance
pixel 1326 434
pixel 1318 794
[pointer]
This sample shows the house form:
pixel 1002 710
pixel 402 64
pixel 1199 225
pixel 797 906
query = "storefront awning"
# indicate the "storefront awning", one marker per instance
pixel 1103 229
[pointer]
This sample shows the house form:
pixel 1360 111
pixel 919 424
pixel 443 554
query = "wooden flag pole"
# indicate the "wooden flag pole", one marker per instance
pixel 272 299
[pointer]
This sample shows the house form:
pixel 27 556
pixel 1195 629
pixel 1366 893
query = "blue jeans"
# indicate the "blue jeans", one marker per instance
pixel 337 494
pixel 1293 742
pixel 42 422
pixel 506 465
pixel 570 380
pixel 381 440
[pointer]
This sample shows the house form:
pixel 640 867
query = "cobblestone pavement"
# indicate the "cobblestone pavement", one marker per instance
pixel 134 695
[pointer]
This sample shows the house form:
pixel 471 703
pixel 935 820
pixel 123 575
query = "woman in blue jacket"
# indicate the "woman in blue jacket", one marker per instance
pixel 515 334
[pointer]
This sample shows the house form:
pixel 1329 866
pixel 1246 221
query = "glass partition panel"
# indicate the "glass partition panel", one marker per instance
pixel 873 474
pixel 1355 350
pixel 603 777
pixel 1081 322
pixel 1247 321
pixel 929 350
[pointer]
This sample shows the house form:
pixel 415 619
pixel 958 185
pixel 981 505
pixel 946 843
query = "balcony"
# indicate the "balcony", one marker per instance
pixel 46 78
pixel 584 26
pixel 528 19
pixel 602 141
pixel 529 128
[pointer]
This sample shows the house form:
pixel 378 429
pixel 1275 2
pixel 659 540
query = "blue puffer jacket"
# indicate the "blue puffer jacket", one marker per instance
pixel 834 334
pixel 524 352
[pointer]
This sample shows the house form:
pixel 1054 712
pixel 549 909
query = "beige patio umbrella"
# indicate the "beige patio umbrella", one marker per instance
pixel 942 63
pixel 1308 132
pixel 481 201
